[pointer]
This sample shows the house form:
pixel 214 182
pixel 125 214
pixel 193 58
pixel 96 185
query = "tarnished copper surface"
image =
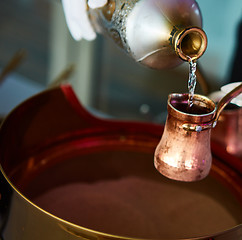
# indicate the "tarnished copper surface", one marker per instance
pixel 51 141
pixel 184 150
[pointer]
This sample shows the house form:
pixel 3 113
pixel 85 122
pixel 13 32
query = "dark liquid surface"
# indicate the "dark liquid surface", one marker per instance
pixel 194 109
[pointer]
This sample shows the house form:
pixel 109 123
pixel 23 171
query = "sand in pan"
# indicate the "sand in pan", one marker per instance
pixel 137 207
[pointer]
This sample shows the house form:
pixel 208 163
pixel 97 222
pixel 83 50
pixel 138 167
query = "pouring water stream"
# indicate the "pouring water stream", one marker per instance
pixel 222 103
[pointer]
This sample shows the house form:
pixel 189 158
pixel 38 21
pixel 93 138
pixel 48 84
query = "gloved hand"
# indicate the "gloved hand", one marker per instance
pixel 77 18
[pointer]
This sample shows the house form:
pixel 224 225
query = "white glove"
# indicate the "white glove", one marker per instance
pixel 97 3
pixel 77 18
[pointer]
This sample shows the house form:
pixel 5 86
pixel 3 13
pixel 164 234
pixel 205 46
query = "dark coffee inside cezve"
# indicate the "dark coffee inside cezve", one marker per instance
pixel 194 109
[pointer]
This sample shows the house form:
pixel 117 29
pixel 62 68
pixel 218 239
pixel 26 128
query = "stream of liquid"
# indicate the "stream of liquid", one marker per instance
pixel 191 81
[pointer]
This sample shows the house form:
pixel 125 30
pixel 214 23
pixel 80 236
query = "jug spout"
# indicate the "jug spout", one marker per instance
pixel 157 33
pixel 184 153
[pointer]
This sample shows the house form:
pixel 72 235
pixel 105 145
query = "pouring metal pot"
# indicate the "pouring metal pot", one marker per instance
pixel 50 141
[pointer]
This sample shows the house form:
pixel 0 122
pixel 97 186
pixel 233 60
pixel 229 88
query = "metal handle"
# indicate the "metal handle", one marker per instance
pixel 227 99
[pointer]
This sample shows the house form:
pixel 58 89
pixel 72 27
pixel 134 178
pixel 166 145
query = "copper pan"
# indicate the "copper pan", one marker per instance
pixel 50 143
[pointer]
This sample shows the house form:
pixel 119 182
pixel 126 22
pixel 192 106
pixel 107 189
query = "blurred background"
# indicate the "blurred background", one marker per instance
pixel 105 79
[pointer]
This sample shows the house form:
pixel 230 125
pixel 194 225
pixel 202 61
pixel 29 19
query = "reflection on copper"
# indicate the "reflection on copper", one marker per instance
pixel 184 154
pixel 228 132
pixel 184 150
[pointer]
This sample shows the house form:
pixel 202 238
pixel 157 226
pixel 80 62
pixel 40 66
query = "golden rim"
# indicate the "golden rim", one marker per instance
pixel 191 43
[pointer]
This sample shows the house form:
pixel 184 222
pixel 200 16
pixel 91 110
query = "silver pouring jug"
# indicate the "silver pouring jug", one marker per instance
pixel 157 33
